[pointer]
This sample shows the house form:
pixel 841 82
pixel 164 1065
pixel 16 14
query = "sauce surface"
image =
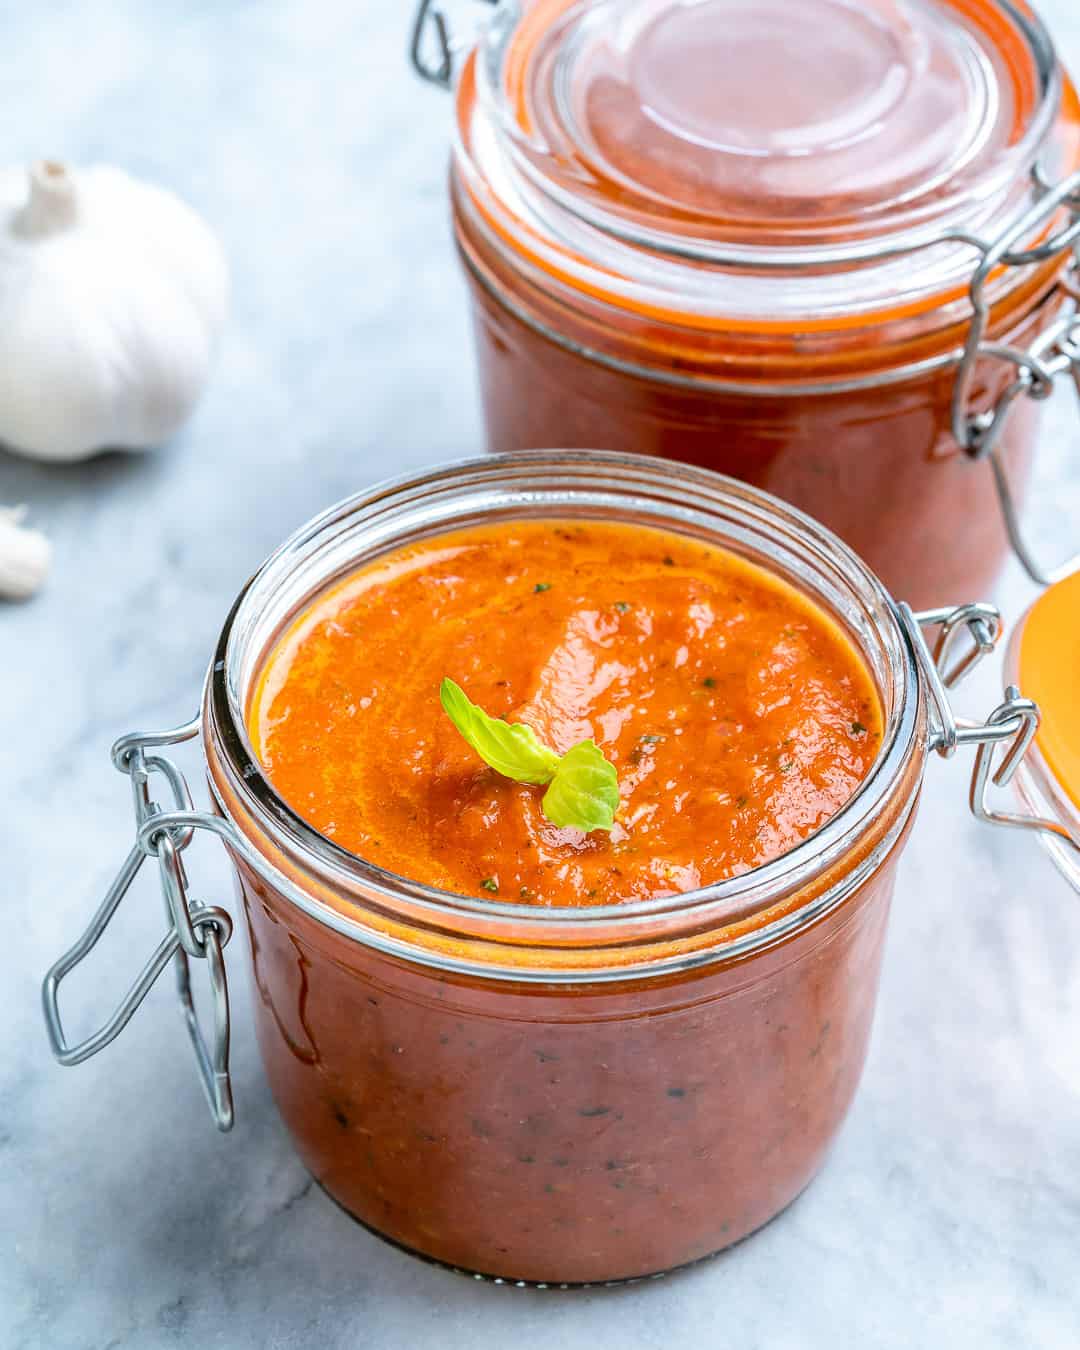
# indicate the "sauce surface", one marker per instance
pixel 738 715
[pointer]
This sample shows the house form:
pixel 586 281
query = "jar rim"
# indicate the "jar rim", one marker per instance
pixel 893 276
pixel 545 484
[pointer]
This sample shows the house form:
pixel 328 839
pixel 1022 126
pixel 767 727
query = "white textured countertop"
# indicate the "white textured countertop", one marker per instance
pixel 949 1213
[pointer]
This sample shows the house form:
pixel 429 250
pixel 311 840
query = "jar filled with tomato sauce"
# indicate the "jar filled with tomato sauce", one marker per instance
pixel 510 1039
pixel 822 247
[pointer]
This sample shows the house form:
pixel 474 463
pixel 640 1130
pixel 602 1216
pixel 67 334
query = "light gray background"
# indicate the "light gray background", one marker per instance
pixel 949 1213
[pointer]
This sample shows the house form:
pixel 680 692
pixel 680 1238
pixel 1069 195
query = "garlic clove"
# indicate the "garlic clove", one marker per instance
pixel 25 556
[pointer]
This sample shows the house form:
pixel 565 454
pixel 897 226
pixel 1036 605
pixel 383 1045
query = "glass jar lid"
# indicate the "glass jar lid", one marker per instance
pixel 777 123
pixel 693 155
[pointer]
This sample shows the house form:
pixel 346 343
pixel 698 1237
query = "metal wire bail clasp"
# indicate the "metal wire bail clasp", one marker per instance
pixel 195 930
pixel 1004 738
pixel 1054 352
pixel 432 45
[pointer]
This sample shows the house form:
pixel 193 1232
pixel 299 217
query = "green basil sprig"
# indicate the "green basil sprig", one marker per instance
pixel 582 785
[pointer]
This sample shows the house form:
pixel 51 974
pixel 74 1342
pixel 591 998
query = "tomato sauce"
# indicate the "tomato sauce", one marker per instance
pixel 564 1134
pixel 582 1122
pixel 738 716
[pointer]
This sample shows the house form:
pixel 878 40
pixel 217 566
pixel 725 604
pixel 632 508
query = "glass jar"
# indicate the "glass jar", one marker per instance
pixel 680 241
pixel 555 1096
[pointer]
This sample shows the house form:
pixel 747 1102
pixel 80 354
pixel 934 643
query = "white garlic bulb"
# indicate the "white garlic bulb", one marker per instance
pixel 25 556
pixel 111 295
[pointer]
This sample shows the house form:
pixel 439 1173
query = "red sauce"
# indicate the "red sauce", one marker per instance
pixel 586 1129
pixel 738 716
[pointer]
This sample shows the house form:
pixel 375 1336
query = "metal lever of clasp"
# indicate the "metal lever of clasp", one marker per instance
pixel 1013 724
pixel 431 27
pixel 942 668
pixel 1053 353
pixel 195 930
pixel 1010 728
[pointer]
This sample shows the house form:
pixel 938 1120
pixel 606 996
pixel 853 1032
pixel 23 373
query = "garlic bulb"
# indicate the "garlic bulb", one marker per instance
pixel 25 556
pixel 111 295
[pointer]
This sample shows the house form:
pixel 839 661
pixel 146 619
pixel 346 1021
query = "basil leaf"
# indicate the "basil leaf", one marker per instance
pixel 584 794
pixel 583 791
pixel 515 750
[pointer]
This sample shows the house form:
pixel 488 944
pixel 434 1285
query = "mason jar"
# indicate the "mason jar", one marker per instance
pixel 680 240
pixel 552 1096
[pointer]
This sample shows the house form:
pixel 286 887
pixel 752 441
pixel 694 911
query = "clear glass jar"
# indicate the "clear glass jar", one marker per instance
pixel 553 1096
pixel 830 289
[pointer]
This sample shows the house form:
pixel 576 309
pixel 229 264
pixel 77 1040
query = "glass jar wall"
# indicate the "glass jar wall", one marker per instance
pixel 569 1134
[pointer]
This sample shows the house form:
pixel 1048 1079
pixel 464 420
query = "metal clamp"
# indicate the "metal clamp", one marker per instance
pixel 1056 351
pixel 1014 724
pixel 943 669
pixel 195 930
pixel 432 47
pixel 1009 730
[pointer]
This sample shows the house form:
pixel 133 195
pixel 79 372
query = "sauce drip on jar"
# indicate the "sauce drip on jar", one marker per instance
pixel 738 715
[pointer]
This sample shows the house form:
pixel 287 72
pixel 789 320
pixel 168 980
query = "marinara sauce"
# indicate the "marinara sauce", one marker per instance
pixel 527 1052
pixel 738 716
pixel 742 234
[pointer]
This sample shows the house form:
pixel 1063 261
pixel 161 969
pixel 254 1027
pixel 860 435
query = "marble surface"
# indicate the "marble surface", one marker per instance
pixel 950 1210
